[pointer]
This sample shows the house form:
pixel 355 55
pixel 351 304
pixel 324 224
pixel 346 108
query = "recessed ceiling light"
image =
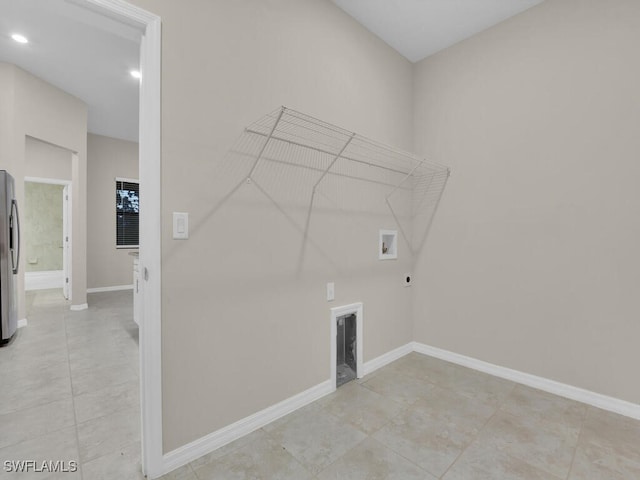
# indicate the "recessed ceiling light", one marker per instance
pixel 20 38
pixel 136 74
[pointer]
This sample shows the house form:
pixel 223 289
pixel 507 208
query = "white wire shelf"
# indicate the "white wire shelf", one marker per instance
pixel 299 160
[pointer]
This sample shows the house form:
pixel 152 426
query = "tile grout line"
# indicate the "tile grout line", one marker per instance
pixel 367 436
pixel 110 413
pixel 411 405
pixel 295 459
pixel 342 456
pixel 73 400
pixel 192 470
pixel 575 450
pixel 324 409
pixel 42 434
pixel 404 410
pixel 39 405
pixel 470 443
pixel 65 346
pixel 475 438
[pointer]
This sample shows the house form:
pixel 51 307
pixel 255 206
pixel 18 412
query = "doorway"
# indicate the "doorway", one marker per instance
pixel 131 21
pixel 47 227
pixel 153 461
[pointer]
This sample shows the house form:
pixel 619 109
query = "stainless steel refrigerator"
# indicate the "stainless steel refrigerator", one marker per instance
pixel 9 257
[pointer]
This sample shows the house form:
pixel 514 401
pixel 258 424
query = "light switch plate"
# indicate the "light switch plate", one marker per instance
pixel 180 225
pixel 331 291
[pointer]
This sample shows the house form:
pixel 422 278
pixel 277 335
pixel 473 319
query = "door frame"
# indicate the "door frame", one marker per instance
pixel 66 240
pixel 66 228
pixel 150 339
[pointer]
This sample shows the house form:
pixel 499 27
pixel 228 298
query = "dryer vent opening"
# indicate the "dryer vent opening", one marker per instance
pixel 346 342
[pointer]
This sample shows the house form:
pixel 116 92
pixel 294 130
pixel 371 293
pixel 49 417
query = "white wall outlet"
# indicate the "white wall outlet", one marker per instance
pixel 331 291
pixel 407 279
pixel 180 225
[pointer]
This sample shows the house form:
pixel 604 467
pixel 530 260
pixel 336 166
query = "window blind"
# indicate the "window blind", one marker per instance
pixel 127 213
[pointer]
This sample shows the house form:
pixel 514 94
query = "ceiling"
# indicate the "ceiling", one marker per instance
pixel 82 52
pixel 419 28
pixel 89 55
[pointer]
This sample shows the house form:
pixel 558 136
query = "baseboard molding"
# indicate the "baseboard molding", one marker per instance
pixel 207 444
pixel 22 323
pixel 114 288
pixel 385 359
pixel 77 308
pixel 588 397
pixel 187 453
pixel 43 280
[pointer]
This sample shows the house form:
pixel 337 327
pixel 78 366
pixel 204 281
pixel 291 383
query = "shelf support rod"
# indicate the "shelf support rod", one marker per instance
pixel 404 234
pixel 403 180
pixel 414 210
pixel 435 209
pixel 324 174
pixel 266 142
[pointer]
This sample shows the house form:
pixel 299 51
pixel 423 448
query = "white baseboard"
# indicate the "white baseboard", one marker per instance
pixel 114 288
pixel 207 444
pixel 594 399
pixel 385 359
pixel 77 308
pixel 196 449
pixel 43 280
pixel 22 323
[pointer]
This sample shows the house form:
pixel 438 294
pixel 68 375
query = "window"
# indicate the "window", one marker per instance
pixel 127 213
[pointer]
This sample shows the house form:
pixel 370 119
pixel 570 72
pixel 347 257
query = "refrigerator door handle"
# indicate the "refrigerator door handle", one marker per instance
pixel 14 223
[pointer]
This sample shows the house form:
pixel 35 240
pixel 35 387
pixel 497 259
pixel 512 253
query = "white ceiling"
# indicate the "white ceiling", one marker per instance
pixel 90 55
pixel 81 52
pixel 419 28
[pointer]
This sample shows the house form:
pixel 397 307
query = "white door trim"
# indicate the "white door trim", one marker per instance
pixel 353 308
pixel 66 241
pixel 150 231
pixel 50 181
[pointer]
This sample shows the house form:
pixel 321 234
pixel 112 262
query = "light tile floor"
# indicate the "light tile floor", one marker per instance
pixel 70 385
pixel 70 391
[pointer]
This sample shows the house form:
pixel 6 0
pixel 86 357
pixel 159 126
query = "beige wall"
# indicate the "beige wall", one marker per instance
pixel 533 258
pixel 44 160
pixel 241 328
pixel 42 220
pixel 34 108
pixel 6 114
pixel 107 159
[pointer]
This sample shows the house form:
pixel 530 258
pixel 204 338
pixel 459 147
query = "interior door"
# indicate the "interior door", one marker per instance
pixel 66 245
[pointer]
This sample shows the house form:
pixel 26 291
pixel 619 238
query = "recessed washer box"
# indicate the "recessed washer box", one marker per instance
pixel 388 245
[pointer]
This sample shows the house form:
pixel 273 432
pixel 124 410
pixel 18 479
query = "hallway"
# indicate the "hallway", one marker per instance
pixel 71 386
